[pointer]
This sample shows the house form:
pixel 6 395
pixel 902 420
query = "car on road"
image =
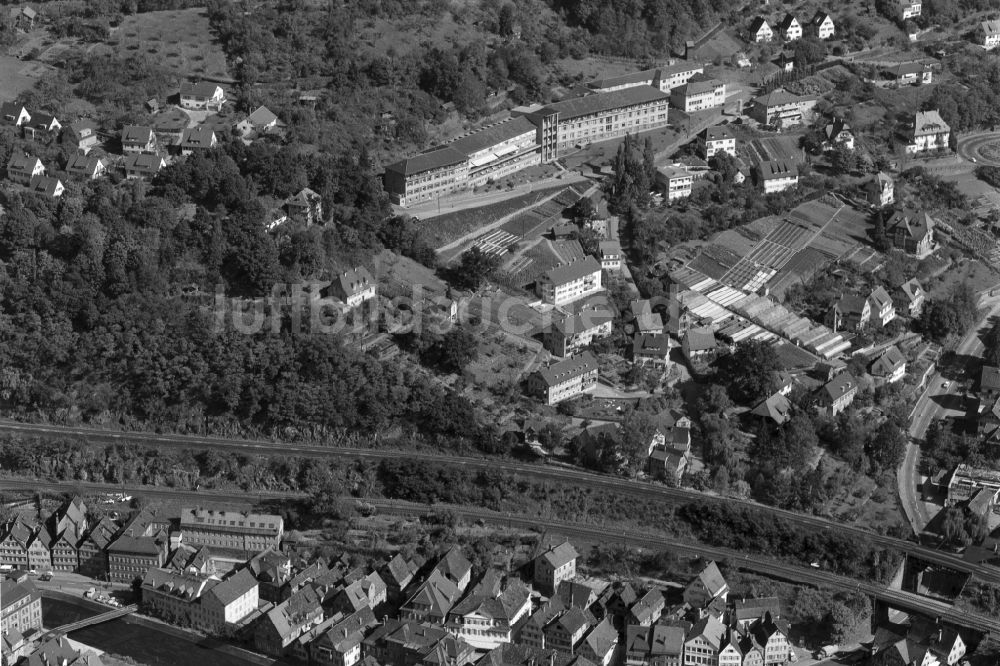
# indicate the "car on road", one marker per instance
pixel 47 576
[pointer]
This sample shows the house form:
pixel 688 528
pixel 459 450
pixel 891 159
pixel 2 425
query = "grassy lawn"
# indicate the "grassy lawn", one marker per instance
pixel 180 40
pixel 500 361
pixel 17 76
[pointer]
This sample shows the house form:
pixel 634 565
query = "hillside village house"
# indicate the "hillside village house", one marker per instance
pixel 789 28
pixel 911 232
pixel 352 287
pixel 138 139
pixel 197 139
pixel 706 587
pixel 775 409
pixel 14 114
pixel 665 78
pixel 572 334
pixel 880 191
pixel 652 350
pixel 143 165
pixel 202 95
pixel 908 8
pixel 48 186
pixel 675 181
pixel 909 73
pixel 645 319
pixel 566 379
pixel 760 31
pixel 570 282
pixel 838 133
pixel 81 134
pixel 44 123
pixel 910 297
pixel 928 132
pixel 699 93
pixel 988 34
pixel 822 25
pixel 778 175
pixel 600 643
pixel 262 120
pixel 23 168
pixel 717 138
pixel 850 313
pixel 88 168
pixel 889 367
pixel 698 343
pixel 781 108
pixel 883 310
pixel 838 393
pixel 610 253
pixel 306 205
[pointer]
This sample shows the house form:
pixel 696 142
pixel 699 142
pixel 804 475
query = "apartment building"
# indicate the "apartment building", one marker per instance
pixel 699 93
pixel 838 393
pixel 574 333
pixel 566 379
pixel 778 175
pixel 781 108
pixel 485 619
pixel 704 642
pixel 927 132
pixel 570 282
pixel 20 607
pixel 555 565
pixel 712 140
pixel 130 557
pixel 205 602
pixel 675 181
pixel 278 630
pixel 247 532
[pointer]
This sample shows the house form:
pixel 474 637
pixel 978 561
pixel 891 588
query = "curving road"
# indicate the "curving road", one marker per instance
pixel 780 570
pixel 551 472
pixel 969 147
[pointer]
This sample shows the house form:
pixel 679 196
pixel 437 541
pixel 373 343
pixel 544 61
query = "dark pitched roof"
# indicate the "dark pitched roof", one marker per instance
pixel 716 133
pixel 573 270
pixel 773 169
pixel 839 385
pixel 601 102
pixel 234 587
pixel 434 159
pixel 138 134
pixel 568 368
pixel 200 89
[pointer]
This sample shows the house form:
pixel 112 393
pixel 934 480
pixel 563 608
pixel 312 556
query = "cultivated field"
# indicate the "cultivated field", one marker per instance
pixel 180 40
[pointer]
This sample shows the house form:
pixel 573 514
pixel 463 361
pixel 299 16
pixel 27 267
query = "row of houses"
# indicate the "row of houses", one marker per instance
pixel 789 29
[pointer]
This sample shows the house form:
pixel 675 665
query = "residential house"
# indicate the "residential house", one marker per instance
pixel 675 181
pixel 911 232
pixel 81 134
pixel 838 393
pixel 555 565
pixel 701 92
pixel 566 379
pixel 889 367
pixel 432 600
pixel 838 133
pixel 143 165
pixel 40 550
pixel 908 9
pixel 272 570
pixel 822 25
pixel 20 606
pixel 704 642
pixel 24 168
pixel 772 636
pixel 745 612
pixel 248 533
pixel 706 587
pixel 88 168
pixel 910 297
pixel 397 573
pixel 275 633
pixel 778 175
pixel 927 132
pixel 698 343
pixel 645 320
pixel 785 61
pixel 409 643
pixel 909 73
pixel 14 544
pixel 651 350
pixel 789 28
pixel 64 552
pixel 261 121
pixel 850 312
pixel 485 618
pixel 198 139
pixel 131 555
pixel 48 186
pixel 730 650
pixel 578 595
pixel 648 609
pixel 988 34
pixel 138 139
pixel 92 549
pixel 599 645
pixel 14 114
pixel 369 591
pixel 712 140
pixel 570 282
pixel 454 566
pixel 352 287
pixel 656 645
pixel 44 123
pixel 24 18
pixel 880 190
pixel 883 310
pixel 340 643
pixel 780 108
pixel 760 31
pixel 610 254
pixel 202 95
pixel 575 333
pixel 567 630
pixel 774 410
pixel 13 646
pixel 533 631
pixel 306 205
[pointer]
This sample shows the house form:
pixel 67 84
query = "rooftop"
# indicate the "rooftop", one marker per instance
pixel 602 102
pixel 569 368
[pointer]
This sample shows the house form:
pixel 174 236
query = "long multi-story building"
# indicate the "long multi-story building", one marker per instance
pixel 247 532
pixel 780 107
pixel 566 379
pixel 778 175
pixel 531 135
pixel 570 282
pixel 572 334
pixel 21 606
pixel 665 78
